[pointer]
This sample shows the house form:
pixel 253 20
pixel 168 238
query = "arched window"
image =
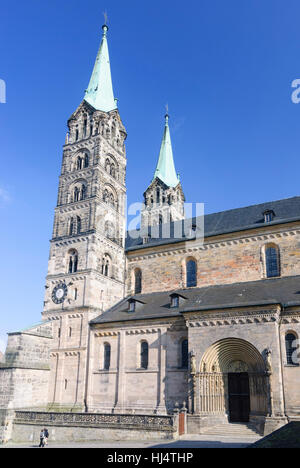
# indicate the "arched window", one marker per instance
pixel 157 195
pixel 290 347
pixel 191 273
pixel 105 268
pixel 83 192
pixel 184 354
pixel 137 281
pixel 272 261
pixel 79 163
pixel 112 170
pixel 86 160
pixel 78 225
pixel 144 354
pixel 107 165
pixel 76 194
pixel 105 196
pixel 73 261
pixel 71 226
pixel 106 356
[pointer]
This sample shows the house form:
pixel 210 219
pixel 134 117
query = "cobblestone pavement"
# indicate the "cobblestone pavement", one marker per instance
pixel 188 441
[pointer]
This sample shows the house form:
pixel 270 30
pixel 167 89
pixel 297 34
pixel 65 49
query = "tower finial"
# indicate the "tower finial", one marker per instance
pixel 105 27
pixel 167 112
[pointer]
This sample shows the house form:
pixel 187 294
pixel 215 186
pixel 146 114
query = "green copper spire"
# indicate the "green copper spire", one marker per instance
pixel 165 169
pixel 100 91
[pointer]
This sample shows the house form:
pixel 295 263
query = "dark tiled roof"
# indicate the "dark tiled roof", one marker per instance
pixel 285 291
pixel 228 221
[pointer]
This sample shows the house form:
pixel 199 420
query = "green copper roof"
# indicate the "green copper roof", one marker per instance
pixel 165 169
pixel 100 91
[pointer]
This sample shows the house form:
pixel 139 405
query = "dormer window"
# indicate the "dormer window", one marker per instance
pixel 131 306
pixel 134 305
pixel 174 301
pixel 268 216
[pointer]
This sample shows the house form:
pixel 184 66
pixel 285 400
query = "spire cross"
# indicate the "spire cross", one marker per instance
pixel 105 17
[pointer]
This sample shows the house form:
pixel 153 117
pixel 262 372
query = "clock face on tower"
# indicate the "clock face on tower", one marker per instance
pixel 59 293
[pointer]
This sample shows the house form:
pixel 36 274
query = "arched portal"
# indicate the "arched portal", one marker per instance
pixel 233 380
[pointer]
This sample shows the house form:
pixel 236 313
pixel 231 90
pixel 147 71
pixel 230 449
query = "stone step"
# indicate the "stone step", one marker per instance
pixel 231 429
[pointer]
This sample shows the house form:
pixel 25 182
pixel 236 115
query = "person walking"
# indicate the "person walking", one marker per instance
pixel 46 435
pixel 42 438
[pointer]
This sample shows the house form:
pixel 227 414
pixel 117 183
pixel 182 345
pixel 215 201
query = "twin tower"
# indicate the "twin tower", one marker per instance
pixel 87 261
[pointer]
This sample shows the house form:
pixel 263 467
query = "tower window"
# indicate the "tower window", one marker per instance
pixel 86 160
pixel 76 134
pixel 191 273
pixel 106 356
pixel 137 281
pixel 78 225
pixel 290 347
pixel 144 354
pixel 84 127
pixel 76 194
pixel 157 196
pixel 272 262
pixel 105 265
pixel 73 261
pixel 71 226
pixel 79 163
pixel 184 354
pixel 83 192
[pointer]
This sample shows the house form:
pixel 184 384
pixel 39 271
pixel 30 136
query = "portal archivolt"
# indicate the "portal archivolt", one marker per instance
pixel 218 364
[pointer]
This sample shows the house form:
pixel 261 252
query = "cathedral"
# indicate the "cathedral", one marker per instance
pixel 162 320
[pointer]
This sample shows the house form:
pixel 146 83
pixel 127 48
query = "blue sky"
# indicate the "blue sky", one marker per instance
pixel 225 69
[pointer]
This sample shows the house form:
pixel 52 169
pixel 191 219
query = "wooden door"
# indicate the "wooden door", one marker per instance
pixel 239 397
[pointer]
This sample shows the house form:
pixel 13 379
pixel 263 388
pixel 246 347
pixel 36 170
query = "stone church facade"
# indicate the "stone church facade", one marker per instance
pixel 141 323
